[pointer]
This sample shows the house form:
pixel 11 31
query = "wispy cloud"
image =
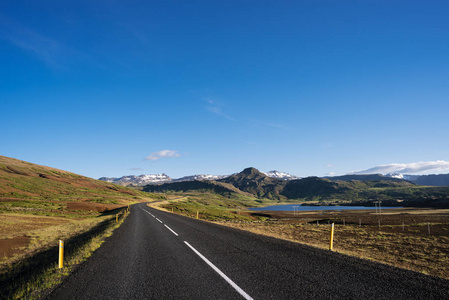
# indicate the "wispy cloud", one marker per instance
pixel 162 154
pixel 329 165
pixel 262 124
pixel 216 107
pixel 417 167
pixel 27 39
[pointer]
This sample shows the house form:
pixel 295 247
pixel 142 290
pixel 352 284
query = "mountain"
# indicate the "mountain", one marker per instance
pixel 200 186
pixel 200 177
pixel 360 189
pixel 138 180
pixel 433 180
pixel 143 180
pixel 280 175
pixel 403 176
pixel 311 187
pixel 364 177
pixel 252 181
pixel 428 180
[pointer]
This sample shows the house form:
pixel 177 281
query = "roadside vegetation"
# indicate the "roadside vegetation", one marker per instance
pixel 399 237
pixel 41 205
pixel 33 276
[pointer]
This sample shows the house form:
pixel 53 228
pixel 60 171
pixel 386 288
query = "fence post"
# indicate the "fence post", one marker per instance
pixel 331 242
pixel 61 254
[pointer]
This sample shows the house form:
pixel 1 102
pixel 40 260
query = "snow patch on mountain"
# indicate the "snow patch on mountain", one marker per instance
pixel 139 180
pixel 280 175
pixel 200 177
pixel 142 180
pixel 395 175
pixel 403 176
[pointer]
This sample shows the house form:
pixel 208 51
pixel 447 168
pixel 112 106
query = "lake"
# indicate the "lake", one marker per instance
pixel 299 207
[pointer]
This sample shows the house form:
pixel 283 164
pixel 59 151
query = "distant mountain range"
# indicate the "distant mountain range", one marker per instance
pixel 142 180
pixel 359 189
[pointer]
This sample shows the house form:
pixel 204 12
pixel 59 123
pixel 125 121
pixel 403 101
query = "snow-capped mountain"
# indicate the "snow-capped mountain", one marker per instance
pixel 403 176
pixel 142 180
pixel 281 175
pixel 395 175
pixel 200 177
pixel 139 180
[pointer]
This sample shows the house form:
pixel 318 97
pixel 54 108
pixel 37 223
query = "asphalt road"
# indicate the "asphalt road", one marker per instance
pixel 159 255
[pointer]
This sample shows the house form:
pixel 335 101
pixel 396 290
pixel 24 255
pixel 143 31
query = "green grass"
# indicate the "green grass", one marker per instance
pixel 214 207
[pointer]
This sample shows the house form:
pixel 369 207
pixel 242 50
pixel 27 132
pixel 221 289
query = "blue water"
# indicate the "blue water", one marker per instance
pixel 299 207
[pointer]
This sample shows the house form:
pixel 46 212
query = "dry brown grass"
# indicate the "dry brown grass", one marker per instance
pixel 412 248
pixel 24 235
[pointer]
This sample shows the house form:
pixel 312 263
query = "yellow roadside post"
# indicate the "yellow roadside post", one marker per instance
pixel 197 214
pixel 61 254
pixel 172 209
pixel 116 218
pixel 331 242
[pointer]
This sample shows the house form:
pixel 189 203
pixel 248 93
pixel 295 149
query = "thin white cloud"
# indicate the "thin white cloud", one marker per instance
pixel 30 41
pixel 329 165
pixel 215 107
pixel 412 168
pixel 330 174
pixel 263 125
pixel 162 154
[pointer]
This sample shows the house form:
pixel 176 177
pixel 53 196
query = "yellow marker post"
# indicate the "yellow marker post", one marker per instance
pixel 197 214
pixel 116 218
pixel 172 209
pixel 331 242
pixel 61 254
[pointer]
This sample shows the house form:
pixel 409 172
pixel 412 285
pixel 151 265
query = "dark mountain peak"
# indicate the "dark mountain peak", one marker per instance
pixel 251 171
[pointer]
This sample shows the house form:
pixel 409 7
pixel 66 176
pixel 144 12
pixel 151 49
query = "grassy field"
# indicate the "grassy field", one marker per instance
pixel 211 207
pixel 34 275
pixel 402 239
pixel 40 205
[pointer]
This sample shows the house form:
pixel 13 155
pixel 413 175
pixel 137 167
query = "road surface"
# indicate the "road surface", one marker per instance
pixel 159 255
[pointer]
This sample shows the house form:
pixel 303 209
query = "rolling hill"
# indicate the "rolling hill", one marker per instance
pixel 199 186
pixel 31 188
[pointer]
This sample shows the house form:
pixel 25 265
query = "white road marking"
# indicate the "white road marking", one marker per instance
pixel 150 214
pixel 171 230
pixel 159 220
pixel 232 283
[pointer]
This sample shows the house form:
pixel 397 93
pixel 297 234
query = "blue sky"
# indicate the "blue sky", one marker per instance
pixel 113 88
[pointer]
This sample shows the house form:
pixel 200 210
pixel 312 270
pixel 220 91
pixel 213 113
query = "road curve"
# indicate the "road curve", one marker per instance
pixel 159 255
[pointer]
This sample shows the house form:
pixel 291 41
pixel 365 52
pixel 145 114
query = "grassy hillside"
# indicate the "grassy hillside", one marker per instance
pixel 35 189
pixel 198 186
pixel 39 205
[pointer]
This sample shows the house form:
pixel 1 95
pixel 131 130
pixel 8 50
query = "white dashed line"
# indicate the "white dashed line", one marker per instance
pixel 171 230
pixel 223 275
